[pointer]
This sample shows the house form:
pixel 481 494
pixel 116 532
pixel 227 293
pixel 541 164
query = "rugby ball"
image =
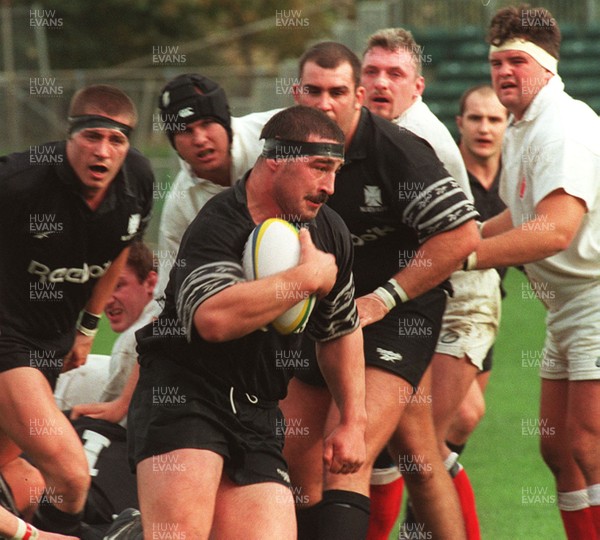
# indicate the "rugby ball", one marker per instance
pixel 272 247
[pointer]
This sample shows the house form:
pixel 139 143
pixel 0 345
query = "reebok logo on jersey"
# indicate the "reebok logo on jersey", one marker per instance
pixel 46 234
pixel 388 356
pixel 70 275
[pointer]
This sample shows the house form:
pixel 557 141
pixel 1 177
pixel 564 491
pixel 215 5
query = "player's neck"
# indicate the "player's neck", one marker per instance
pixel 484 169
pixel 94 198
pixel 220 176
pixel 261 204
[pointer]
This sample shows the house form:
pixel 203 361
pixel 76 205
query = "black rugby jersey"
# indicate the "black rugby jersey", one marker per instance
pixel 487 201
pixel 54 247
pixel 393 193
pixel 208 261
pixel 489 204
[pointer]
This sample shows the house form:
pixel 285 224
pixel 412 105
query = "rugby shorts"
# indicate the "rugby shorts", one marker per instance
pixel 18 349
pixel 572 347
pixel 472 317
pixel 402 343
pixel 174 408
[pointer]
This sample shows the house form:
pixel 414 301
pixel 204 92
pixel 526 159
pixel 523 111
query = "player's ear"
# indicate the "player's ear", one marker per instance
pixel 419 85
pixel 459 122
pixel 296 91
pixel 273 164
pixel 360 96
pixel 150 281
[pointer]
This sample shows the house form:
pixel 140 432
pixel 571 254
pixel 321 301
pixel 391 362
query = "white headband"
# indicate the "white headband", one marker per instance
pixel 543 58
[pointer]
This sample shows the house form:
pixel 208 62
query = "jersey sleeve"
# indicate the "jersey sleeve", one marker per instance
pixel 428 200
pixel 209 260
pixel 438 207
pixel 336 314
pixel 564 164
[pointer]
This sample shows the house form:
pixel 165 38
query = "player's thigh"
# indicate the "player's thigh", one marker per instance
pixel 305 410
pixel 262 511
pixel 384 409
pixel 305 407
pixel 554 402
pixel 451 379
pixel 385 406
pixel 177 492
pixel 35 424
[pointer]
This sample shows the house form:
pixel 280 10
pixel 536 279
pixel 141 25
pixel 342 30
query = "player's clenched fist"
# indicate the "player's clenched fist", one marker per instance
pixel 320 266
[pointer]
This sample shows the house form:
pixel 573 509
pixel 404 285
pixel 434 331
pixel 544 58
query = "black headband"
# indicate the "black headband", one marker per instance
pixel 284 149
pixel 77 123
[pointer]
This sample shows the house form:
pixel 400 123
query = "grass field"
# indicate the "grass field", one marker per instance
pixel 514 489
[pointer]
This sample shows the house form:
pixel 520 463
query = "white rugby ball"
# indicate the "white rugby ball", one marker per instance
pixel 272 247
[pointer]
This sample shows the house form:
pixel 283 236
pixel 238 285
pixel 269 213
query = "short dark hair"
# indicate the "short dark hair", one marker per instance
pixel 141 260
pixel 103 99
pixel 478 88
pixel 394 39
pixel 299 122
pixel 329 55
pixel 533 24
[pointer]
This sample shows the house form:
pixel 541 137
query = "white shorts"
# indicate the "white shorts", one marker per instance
pixel 472 316
pixel 572 348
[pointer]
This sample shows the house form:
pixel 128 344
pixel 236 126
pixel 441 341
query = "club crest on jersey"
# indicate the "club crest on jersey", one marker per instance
pixel 132 227
pixel 373 200
pixel 522 187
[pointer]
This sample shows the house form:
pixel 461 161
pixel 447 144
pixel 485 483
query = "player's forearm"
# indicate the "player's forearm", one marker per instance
pixel 125 398
pixel 551 230
pixel 342 363
pixel 106 284
pixel 497 225
pixel 443 254
pixel 517 246
pixel 245 307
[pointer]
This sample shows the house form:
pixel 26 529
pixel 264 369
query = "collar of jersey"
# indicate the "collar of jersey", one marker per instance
pixel 358 148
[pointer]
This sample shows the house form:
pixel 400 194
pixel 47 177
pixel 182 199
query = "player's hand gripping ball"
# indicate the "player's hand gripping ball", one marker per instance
pixel 272 247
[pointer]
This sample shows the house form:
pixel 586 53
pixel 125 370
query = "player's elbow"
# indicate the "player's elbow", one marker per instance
pixel 466 240
pixel 561 240
pixel 212 326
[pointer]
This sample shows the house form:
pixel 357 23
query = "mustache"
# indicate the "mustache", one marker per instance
pixel 321 198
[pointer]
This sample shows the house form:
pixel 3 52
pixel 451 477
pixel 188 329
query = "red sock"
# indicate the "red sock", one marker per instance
pixel 579 524
pixel 386 500
pixel 595 514
pixel 467 503
pixel 594 498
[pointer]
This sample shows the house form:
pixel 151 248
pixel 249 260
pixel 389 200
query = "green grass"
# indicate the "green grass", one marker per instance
pixel 514 489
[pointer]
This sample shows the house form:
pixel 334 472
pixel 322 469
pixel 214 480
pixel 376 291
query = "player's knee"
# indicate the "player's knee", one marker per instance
pixel 416 470
pixel 76 481
pixel 552 454
pixel 68 475
pixel 470 416
pixel 584 448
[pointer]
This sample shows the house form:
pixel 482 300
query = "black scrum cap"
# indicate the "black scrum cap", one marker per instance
pixel 191 97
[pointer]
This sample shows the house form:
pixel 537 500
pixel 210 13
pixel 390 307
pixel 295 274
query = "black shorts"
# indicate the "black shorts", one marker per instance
pixel 403 342
pixel 18 349
pixel 174 408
